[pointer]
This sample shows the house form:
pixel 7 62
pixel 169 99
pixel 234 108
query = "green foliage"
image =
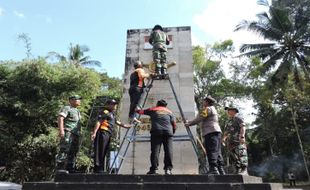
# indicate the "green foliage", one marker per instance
pixel 209 76
pixel 288 35
pixel 210 79
pixel 32 93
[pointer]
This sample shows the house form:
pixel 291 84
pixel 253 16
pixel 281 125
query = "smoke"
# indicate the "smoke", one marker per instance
pixel 276 168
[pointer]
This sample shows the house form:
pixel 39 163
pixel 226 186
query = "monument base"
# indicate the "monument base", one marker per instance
pixel 152 182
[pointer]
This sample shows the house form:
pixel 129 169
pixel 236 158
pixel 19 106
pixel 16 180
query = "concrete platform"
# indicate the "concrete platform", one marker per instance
pixel 152 182
pixel 181 178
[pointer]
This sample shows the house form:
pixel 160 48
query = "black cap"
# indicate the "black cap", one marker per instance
pixel 232 108
pixel 162 103
pixel 158 27
pixel 136 64
pixel 75 97
pixel 210 99
pixel 111 101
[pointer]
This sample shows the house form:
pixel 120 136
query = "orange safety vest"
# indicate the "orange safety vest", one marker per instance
pixel 104 125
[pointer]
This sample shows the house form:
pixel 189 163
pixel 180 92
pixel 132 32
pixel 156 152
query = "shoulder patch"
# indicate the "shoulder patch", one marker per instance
pixel 204 113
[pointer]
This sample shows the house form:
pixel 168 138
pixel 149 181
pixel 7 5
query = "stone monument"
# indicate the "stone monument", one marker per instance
pixel 137 160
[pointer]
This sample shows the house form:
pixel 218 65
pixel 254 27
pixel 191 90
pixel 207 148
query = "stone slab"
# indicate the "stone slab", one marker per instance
pixel 151 186
pixel 157 178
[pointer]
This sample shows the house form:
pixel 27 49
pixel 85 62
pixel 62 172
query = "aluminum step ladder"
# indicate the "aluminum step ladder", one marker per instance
pixel 129 138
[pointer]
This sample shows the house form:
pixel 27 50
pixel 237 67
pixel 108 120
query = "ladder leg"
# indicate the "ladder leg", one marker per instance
pixel 133 133
pixel 183 118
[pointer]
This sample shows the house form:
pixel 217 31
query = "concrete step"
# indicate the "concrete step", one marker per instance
pixel 149 186
pixel 152 182
pixel 157 178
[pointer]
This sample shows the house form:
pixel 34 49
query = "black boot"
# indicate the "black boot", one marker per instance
pixel 70 168
pixel 158 70
pixel 213 170
pixel 168 172
pixel 152 172
pixel 221 170
pixel 60 168
pixel 163 73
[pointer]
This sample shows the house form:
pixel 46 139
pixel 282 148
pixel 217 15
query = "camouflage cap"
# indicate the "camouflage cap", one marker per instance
pixel 232 108
pixel 75 97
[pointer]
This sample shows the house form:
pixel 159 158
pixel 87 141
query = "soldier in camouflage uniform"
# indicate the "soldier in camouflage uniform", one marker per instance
pixel 234 138
pixel 69 132
pixel 159 40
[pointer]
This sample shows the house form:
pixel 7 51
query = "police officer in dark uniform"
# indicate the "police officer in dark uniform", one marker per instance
pixel 212 133
pixel 162 130
pixel 102 134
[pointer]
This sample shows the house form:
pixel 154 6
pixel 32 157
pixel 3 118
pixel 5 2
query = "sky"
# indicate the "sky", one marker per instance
pixel 102 25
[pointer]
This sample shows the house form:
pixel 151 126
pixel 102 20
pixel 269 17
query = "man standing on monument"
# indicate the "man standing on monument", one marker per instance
pixel 162 130
pixel 102 134
pixel 136 89
pixel 69 133
pixel 234 138
pixel 159 40
pixel 212 135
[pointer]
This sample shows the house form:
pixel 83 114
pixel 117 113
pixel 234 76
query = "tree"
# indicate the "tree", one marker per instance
pixel 27 40
pixel 289 42
pixel 210 79
pixel 31 94
pixel 76 56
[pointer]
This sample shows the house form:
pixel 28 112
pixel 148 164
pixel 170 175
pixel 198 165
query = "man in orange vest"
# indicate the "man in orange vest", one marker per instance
pixel 102 134
pixel 136 89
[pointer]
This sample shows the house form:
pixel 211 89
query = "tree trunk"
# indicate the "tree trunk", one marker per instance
pixel 299 142
pixel 202 161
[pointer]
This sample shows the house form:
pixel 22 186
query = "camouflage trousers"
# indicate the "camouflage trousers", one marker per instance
pixel 160 57
pixel 238 155
pixel 68 149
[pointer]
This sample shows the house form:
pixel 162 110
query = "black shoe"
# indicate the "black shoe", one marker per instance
pixel 242 171
pixel 62 171
pixel 164 76
pixel 152 172
pixel 168 172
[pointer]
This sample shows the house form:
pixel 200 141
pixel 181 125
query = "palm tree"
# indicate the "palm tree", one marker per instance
pixel 289 35
pixel 76 56
pixel 289 41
